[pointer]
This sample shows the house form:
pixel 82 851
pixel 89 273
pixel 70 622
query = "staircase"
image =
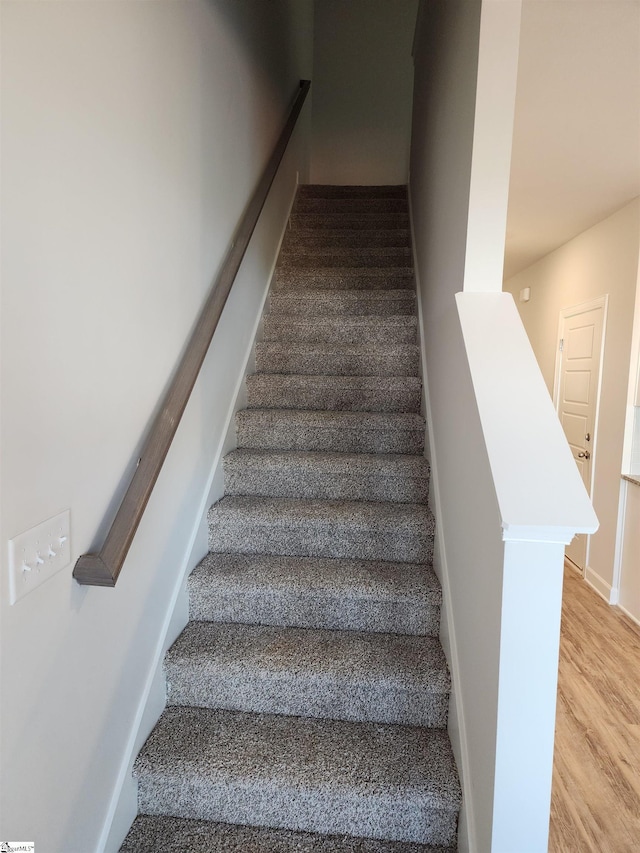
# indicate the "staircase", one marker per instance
pixel 308 694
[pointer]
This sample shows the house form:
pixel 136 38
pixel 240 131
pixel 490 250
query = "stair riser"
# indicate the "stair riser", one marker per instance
pixel 308 485
pixel 350 257
pixel 315 363
pixel 348 330
pixel 264 394
pixel 342 303
pixel 311 609
pixel 351 222
pixel 305 239
pixel 261 802
pixel 286 436
pixel 353 279
pixel 350 205
pixel 295 694
pixel 317 539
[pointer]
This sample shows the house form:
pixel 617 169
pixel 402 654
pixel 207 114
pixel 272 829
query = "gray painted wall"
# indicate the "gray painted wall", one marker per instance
pixel 362 91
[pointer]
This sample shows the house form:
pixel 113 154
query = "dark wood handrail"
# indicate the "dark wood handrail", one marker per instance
pixel 103 568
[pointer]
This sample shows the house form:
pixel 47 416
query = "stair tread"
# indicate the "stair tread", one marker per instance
pixel 338 278
pixel 329 418
pixel 198 743
pixel 359 321
pixel 316 592
pixel 361 328
pixel 382 384
pixel 342 392
pixel 342 358
pixel 306 204
pixel 351 272
pixel 351 257
pixel 346 190
pixel 371 779
pixel 162 834
pixel 332 430
pixel 337 346
pixel 279 512
pixel 317 302
pixel 391 464
pixel 373 580
pixel 317 294
pixel 353 221
pixel 401 532
pixel 303 671
pixel 363 657
pixel 346 381
pixel 301 238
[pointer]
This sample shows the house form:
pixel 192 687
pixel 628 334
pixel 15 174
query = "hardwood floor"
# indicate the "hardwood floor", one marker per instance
pixel 595 804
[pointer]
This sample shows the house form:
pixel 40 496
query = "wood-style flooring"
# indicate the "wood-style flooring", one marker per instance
pixel 595 804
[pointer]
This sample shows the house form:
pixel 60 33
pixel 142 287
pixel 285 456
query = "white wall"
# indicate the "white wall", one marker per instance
pixel 363 76
pixel 601 260
pixel 133 134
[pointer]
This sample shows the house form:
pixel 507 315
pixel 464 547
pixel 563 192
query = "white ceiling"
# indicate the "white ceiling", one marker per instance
pixel 576 145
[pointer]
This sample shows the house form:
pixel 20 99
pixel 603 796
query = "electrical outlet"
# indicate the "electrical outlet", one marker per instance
pixel 36 555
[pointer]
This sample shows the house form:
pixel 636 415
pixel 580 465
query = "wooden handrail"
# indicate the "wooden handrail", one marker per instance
pixel 103 568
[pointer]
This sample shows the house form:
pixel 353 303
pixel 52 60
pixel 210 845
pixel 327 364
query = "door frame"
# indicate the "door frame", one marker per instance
pixel 565 314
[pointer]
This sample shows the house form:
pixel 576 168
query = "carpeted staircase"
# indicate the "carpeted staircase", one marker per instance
pixel 308 695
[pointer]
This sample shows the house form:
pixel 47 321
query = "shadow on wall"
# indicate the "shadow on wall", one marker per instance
pixel 245 24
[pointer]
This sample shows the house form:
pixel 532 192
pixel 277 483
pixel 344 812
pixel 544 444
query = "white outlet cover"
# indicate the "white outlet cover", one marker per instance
pixel 38 554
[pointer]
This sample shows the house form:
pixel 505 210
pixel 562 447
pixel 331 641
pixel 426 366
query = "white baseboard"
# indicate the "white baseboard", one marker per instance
pixel 121 808
pixel 629 615
pixel 467 836
pixel 603 589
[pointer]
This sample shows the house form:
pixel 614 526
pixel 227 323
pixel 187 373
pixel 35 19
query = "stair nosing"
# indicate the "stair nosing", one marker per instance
pixel 432 794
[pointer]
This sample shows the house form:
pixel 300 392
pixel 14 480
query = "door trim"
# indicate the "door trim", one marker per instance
pixel 565 314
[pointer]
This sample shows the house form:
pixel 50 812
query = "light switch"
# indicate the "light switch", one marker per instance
pixel 36 555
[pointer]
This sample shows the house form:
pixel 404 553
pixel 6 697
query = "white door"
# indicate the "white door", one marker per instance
pixel 578 386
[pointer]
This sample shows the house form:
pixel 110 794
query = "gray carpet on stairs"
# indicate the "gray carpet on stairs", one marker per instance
pixel 390 782
pixel 344 278
pixel 308 694
pixel 341 330
pixel 327 476
pixel 342 675
pixel 314 358
pixel 346 303
pixel 339 238
pixel 170 834
pixel 345 432
pixel 313 592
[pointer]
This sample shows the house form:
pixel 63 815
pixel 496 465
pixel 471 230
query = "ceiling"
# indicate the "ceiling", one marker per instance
pixel 576 145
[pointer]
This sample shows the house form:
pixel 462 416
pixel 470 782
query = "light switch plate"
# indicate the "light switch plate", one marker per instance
pixel 36 555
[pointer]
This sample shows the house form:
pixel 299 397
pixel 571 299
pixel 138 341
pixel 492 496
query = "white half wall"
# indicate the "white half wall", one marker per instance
pixel 132 137
pixel 362 90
